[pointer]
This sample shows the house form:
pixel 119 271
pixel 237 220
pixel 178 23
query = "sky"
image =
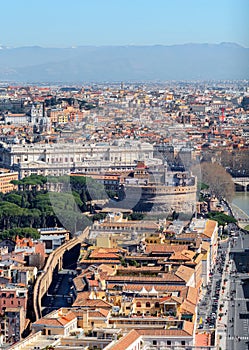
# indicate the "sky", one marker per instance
pixel 67 23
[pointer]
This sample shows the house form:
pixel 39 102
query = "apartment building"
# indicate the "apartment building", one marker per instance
pixel 5 181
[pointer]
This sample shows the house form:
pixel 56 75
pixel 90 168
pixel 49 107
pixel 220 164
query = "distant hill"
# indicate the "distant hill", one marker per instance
pixel 225 61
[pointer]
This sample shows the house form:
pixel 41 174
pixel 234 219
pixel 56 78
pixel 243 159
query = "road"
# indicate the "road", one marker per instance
pixel 208 309
pixel 238 298
pixel 228 293
pixel 60 292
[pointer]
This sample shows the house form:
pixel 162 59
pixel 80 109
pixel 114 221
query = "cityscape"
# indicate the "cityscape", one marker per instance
pixel 124 177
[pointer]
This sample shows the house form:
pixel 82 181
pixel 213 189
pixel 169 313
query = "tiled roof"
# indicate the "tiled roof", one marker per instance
pixel 56 322
pixel 186 331
pixel 167 277
pixel 164 248
pixel 107 250
pixel 184 255
pixel 79 283
pixel 184 272
pixel 203 339
pixel 140 269
pixel 187 307
pixel 99 313
pixel 81 297
pixel 205 246
pixel 100 261
pixel 209 228
pixel 192 295
pixel 96 255
pixel 188 327
pixel 126 341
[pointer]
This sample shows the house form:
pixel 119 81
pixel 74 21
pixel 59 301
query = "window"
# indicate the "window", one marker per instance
pixel 154 342
pixel 138 304
pixel 183 342
pixel 147 304
pixel 157 304
pixel 168 342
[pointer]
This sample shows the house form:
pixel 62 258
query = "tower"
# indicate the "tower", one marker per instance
pixel 39 118
pixel 222 117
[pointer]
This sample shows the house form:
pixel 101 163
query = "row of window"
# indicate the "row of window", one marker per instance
pixel 147 304
pixel 168 342
pixel 12 302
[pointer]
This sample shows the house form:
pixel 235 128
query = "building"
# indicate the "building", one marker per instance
pixel 5 181
pixel 13 297
pixel 63 158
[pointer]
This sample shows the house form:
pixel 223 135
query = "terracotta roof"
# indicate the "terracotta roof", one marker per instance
pixel 210 227
pixel 188 327
pixel 106 269
pixel 198 258
pixel 203 339
pixel 167 277
pixel 184 255
pixel 164 248
pixel 192 295
pixel 79 283
pixel 109 256
pixel 81 297
pixel 188 307
pixel 140 269
pixel 126 341
pixel 94 303
pixel 108 250
pixel 186 331
pixel 184 272
pixel 99 313
pixel 57 322
pixel 100 261
pixel 205 246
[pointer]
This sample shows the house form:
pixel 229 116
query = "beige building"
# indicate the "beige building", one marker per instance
pixel 5 181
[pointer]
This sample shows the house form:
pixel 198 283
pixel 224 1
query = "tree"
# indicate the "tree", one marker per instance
pixel 221 218
pixel 13 198
pixel 21 232
pixel 219 181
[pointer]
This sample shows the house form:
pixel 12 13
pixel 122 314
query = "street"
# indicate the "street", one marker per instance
pixel 60 292
pixel 225 303
pixel 238 306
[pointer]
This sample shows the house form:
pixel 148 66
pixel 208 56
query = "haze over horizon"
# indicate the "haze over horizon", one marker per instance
pixel 125 40
pixel 225 61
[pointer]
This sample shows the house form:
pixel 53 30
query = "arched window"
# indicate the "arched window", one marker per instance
pixel 138 304
pixel 147 304
pixel 157 304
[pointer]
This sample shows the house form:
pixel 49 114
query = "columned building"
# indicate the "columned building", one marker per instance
pixel 64 158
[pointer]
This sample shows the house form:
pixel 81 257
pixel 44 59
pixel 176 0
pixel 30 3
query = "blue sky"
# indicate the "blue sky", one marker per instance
pixel 65 23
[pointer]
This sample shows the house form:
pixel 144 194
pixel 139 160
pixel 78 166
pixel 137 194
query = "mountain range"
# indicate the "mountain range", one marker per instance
pixel 224 61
